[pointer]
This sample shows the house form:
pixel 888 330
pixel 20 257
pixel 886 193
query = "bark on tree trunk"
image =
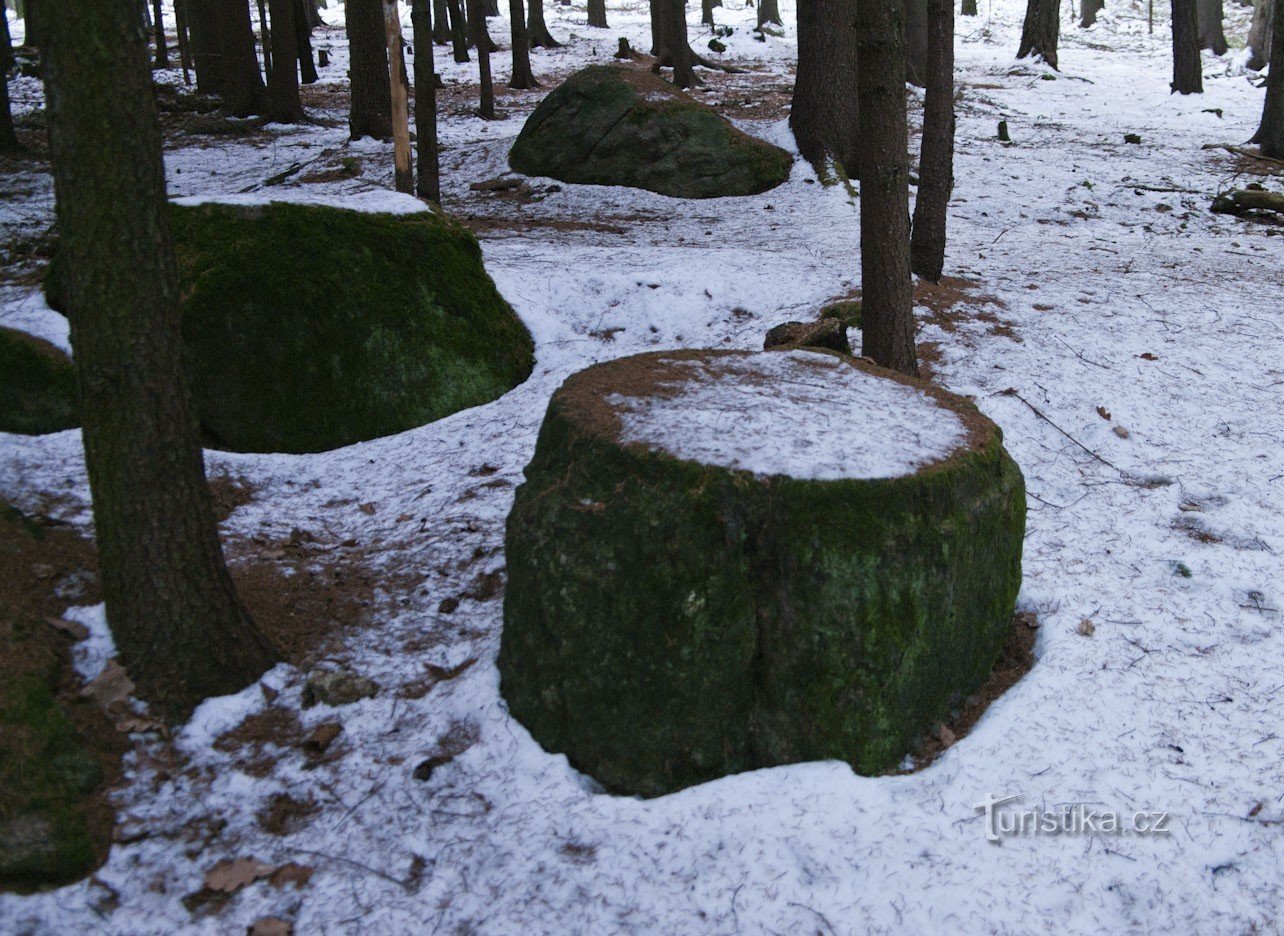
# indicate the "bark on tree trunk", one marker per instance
pixel 428 167
pixel 936 158
pixel 303 42
pixel 1088 10
pixel 370 103
pixel 1260 34
pixel 1271 132
pixel 158 24
pixel 283 104
pixel 824 112
pixel 8 137
pixel 458 31
pixel 540 37
pixel 240 84
pixel 597 14
pixel 523 78
pixel 1210 14
pixel 886 288
pixel 403 173
pixel 481 42
pixel 182 633
pixel 440 23
pixel 769 12
pixel 916 28
pixel 1188 69
pixel 1041 30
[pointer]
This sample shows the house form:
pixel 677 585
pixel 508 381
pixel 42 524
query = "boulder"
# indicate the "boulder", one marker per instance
pixel 722 561
pixel 827 333
pixel 37 385
pixel 608 125
pixel 308 327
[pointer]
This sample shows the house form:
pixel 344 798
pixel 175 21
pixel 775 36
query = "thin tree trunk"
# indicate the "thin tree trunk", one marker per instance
pixel 1088 10
pixel 458 31
pixel 597 14
pixel 158 23
pixel 184 50
pixel 886 288
pixel 1041 30
pixel 1188 69
pixel 769 12
pixel 523 78
pixel 481 42
pixel 283 104
pixel 1260 34
pixel 1271 132
pixel 403 173
pixel 428 167
pixel 824 114
pixel 916 42
pixel 706 12
pixel 440 21
pixel 265 37
pixel 303 43
pixel 370 103
pixel 241 84
pixel 182 633
pixel 8 136
pixel 540 37
pixel 1210 14
pixel 936 158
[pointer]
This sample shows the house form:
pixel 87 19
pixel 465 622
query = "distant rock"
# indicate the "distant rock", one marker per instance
pixel 826 333
pixel 608 125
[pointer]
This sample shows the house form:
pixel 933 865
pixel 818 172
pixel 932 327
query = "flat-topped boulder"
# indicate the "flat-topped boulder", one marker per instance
pixel 37 385
pixel 308 327
pixel 722 561
pixel 607 125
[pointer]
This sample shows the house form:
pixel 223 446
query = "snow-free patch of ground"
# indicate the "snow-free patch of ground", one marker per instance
pixel 1120 310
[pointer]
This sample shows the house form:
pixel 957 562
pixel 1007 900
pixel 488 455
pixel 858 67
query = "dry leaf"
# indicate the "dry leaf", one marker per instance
pixel 73 629
pixel 1121 432
pixel 130 724
pixel 109 686
pixel 1255 810
pixel 291 873
pixel 1149 357
pixel 271 926
pixel 229 877
pixel 1087 628
pixel 1103 413
pixel 368 509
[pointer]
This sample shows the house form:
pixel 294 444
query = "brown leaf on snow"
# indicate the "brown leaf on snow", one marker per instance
pixel 1148 356
pixel 1087 628
pixel 230 876
pixel 291 873
pixel 368 509
pixel 1103 413
pixel 271 926
pixel 945 736
pixel 1121 432
pixel 111 685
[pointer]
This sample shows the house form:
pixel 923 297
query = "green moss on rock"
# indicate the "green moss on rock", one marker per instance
pixel 37 385
pixel 668 622
pixel 607 125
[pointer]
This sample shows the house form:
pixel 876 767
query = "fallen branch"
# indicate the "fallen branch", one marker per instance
pixel 1241 201
pixel 1244 151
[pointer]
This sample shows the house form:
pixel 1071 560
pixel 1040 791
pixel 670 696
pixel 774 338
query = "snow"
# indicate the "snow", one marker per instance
pixel 794 413
pixel 376 200
pixel 1175 703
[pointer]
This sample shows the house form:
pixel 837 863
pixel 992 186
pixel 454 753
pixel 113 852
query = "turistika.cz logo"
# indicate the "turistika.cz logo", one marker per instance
pixel 1004 821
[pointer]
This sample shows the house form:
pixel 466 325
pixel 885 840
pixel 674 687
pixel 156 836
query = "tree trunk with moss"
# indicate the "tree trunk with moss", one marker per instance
pixel 522 78
pixel 824 114
pixel 428 166
pixel 1188 67
pixel 1041 30
pixel 181 630
pixel 283 104
pixel 936 158
pixel 540 37
pixel 1271 132
pixel 887 302
pixel 370 101
pixel 240 82
pixel 597 14
pixel 8 137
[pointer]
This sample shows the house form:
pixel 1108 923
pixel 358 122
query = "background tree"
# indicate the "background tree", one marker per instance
pixel 936 157
pixel 370 100
pixel 303 43
pixel 1271 132
pixel 1041 30
pixel 597 14
pixel 8 137
pixel 482 43
pixel 158 30
pixel 968 8
pixel 1188 69
pixel 537 29
pixel 769 12
pixel 1209 15
pixel 1260 34
pixel 522 77
pixel 440 23
pixel 283 104
pixel 458 30
pixel 203 37
pixel 181 630
pixel 403 178
pixel 1088 10
pixel 240 82
pixel 672 48
pixel 428 167
pixel 916 27
pixel 824 112
pixel 887 303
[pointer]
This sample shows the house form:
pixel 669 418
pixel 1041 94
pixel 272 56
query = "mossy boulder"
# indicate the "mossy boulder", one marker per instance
pixel 607 125
pixel 721 561
pixel 37 385
pixel 309 327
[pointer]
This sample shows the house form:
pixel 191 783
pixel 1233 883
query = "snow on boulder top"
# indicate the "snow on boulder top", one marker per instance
pixel 801 414
pixel 375 201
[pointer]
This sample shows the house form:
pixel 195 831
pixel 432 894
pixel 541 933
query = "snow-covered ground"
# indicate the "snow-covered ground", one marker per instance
pixel 1127 315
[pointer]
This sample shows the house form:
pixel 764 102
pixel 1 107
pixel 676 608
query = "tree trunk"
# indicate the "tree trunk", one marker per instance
pixel 492 8
pixel 240 83
pixel 1271 132
pixel 1260 33
pixel 182 633
pixel 887 306
pixel 597 14
pixel 523 78
pixel 916 40
pixel 428 167
pixel 403 173
pixel 706 12
pixel 184 50
pixel 203 31
pixel 540 37
pixel 283 104
pixel 1041 30
pixel 458 30
pixel 936 158
pixel 824 112
pixel 769 12
pixel 8 136
pixel 158 23
pixel 370 103
pixel 1088 10
pixel 481 42
pixel 1188 69
pixel 669 28
pixel 1210 14
pixel 440 23
pixel 303 42
pixel 968 8
pixel 265 37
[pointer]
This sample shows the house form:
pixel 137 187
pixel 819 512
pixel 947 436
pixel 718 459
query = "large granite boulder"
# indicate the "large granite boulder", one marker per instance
pixel 608 125
pixel 37 385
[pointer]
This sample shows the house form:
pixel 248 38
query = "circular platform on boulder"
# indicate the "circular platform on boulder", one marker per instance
pixel 722 561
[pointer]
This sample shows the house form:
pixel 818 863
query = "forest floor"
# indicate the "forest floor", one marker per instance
pixel 1125 339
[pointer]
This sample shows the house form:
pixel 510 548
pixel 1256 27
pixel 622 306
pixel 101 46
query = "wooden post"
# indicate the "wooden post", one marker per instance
pixel 405 181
